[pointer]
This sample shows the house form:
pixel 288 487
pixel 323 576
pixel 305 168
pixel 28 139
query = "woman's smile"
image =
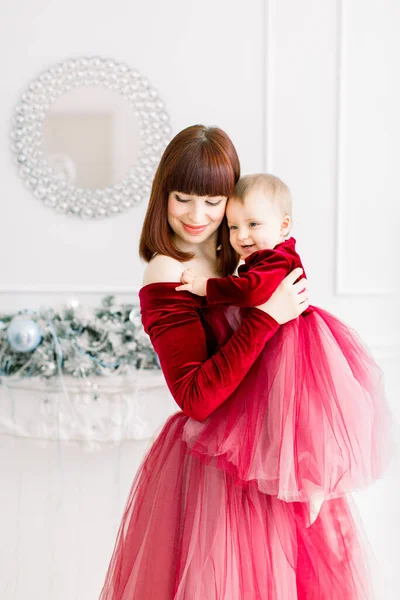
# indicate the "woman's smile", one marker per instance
pixel 194 229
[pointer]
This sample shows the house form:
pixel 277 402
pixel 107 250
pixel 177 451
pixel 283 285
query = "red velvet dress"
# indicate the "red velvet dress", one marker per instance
pixel 192 528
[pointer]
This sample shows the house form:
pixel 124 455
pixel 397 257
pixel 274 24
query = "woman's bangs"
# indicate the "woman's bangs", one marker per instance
pixel 204 173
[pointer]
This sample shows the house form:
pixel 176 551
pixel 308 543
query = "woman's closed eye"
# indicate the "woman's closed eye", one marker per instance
pixel 183 200
pixel 186 200
pixel 213 203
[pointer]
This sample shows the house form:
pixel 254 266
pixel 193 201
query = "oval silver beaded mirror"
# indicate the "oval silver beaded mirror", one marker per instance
pixel 87 135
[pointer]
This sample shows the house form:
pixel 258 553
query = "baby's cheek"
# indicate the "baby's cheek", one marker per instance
pixel 235 245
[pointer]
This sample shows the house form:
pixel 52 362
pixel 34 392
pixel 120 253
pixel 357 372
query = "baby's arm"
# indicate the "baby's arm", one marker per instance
pixel 253 286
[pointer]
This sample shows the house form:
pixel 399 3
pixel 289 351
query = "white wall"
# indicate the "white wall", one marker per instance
pixel 307 90
pixel 191 52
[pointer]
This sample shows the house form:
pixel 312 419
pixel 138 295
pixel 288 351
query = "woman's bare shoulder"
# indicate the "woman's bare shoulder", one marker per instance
pixel 162 269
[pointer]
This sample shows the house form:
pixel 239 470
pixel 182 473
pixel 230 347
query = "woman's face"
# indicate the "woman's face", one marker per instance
pixel 194 219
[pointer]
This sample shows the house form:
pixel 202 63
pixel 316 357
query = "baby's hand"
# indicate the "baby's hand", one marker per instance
pixel 192 283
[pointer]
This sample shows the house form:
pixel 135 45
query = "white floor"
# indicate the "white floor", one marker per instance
pixel 60 509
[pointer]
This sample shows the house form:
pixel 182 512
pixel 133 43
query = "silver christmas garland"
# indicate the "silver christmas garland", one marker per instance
pixel 76 341
pixel 80 373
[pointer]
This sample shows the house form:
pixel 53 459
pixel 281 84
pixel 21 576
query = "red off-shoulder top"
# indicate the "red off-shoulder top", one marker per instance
pixel 200 375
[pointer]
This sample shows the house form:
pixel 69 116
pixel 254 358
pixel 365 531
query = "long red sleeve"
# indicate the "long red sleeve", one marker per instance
pixel 199 383
pixel 257 281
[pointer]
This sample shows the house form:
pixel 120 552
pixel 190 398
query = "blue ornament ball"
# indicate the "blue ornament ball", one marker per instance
pixel 23 335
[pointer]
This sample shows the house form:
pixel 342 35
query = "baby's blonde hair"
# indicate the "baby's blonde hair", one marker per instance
pixel 271 186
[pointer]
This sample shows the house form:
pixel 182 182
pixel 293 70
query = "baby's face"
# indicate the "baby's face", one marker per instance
pixel 254 224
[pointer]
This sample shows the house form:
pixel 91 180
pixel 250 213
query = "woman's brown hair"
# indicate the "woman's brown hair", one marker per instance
pixel 201 161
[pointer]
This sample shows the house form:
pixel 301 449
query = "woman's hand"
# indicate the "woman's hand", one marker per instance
pixel 289 300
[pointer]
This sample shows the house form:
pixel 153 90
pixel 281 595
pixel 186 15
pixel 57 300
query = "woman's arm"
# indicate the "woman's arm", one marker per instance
pixel 198 383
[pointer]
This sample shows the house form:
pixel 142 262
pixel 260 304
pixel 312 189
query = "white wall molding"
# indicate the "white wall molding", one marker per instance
pixel 267 93
pixel 340 289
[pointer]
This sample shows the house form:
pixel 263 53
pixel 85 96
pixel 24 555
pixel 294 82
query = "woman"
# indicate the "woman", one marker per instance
pixel 190 531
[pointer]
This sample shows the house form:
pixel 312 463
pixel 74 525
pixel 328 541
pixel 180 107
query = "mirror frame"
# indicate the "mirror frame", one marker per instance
pixel 27 136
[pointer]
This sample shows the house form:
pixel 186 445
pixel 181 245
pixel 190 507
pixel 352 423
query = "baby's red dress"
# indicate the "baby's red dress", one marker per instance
pixel 316 422
pixel 192 528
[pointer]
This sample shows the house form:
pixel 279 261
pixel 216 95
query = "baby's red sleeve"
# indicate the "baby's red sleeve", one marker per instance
pixel 255 284
pixel 199 383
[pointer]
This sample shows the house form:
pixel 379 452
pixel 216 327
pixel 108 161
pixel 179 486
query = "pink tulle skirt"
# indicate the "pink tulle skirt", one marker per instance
pixel 220 510
pixel 311 421
pixel 190 532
